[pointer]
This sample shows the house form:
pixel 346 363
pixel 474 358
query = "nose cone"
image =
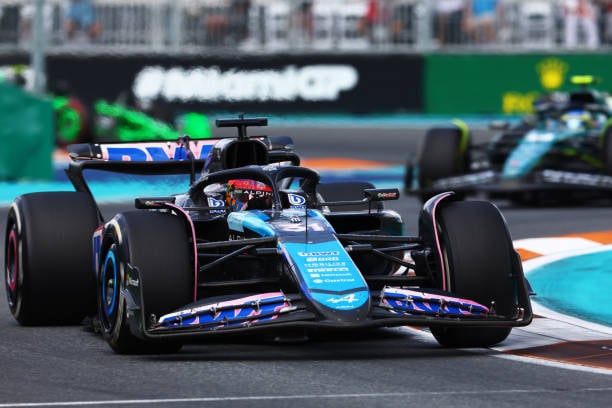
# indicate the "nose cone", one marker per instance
pixel 526 156
pixel 330 279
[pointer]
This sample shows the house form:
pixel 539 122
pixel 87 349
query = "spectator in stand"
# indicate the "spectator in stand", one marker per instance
pixel 606 10
pixel 227 23
pixel 580 14
pixel 481 18
pixel 238 21
pixel 81 18
pixel 377 20
pixel 26 21
pixel 448 20
pixel 306 21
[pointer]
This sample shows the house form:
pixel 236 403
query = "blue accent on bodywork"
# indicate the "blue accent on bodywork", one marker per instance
pixel 329 274
pixel 255 221
pixel 326 272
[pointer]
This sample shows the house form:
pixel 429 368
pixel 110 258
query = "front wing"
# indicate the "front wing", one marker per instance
pixel 278 311
pixel 541 180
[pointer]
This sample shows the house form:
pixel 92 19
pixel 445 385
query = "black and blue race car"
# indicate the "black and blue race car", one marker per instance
pixel 256 244
pixel 561 154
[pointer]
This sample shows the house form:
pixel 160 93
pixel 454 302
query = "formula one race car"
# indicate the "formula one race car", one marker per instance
pixel 112 122
pixel 256 245
pixel 566 155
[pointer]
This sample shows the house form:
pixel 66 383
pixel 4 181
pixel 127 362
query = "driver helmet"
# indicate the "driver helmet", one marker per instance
pixel 245 194
pixel 578 118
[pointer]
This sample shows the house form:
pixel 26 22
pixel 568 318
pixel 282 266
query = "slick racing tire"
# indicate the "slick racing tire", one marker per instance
pixel 441 155
pixel 48 258
pixel 607 151
pixel 71 123
pixel 156 245
pixel 408 176
pixel 479 261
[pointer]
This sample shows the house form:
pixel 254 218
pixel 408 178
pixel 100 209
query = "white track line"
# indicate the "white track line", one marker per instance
pixel 509 391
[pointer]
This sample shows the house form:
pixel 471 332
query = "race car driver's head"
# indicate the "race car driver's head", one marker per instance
pixel 247 194
pixel 578 119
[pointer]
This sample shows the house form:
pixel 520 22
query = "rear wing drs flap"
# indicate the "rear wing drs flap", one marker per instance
pixel 142 151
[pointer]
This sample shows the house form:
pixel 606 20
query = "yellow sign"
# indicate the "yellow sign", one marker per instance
pixel 552 73
pixel 516 102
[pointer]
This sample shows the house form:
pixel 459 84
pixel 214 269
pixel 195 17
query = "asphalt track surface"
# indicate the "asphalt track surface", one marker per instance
pixel 69 366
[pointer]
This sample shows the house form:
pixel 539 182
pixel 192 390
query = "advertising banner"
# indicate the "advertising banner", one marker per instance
pixel 504 83
pixel 328 83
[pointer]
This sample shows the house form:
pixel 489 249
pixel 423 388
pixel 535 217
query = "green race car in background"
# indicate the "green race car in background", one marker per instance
pixel 109 122
pixel 77 121
pixel 565 153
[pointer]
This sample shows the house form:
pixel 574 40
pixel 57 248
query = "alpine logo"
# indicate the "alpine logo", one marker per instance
pixel 344 299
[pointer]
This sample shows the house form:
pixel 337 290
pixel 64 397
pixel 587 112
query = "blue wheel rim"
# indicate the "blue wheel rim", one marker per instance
pixel 109 284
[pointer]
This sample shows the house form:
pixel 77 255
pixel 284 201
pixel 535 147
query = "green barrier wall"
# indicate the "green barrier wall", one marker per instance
pixel 26 135
pixel 507 83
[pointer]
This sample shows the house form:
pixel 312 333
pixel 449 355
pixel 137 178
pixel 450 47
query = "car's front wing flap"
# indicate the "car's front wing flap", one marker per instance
pixel 416 302
pixel 230 313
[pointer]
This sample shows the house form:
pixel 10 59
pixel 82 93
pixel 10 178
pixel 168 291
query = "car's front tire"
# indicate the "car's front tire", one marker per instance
pixel 158 247
pixel 479 260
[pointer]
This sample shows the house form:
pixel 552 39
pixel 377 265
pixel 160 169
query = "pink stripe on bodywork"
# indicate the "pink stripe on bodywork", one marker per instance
pixel 433 215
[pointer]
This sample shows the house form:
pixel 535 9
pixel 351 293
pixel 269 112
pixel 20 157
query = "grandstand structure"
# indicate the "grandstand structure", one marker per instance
pixel 246 26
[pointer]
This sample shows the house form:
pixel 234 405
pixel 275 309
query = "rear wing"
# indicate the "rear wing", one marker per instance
pixel 182 155
pixel 184 148
pixel 143 151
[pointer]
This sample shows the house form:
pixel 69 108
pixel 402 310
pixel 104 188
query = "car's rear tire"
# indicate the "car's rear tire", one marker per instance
pixel 479 261
pixel 48 258
pixel 443 153
pixel 157 245
pixel 607 150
